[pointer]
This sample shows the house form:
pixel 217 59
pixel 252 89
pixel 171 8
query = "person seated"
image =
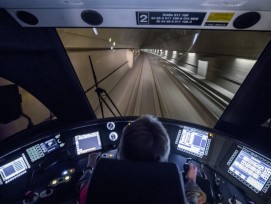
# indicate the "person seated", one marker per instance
pixel 145 139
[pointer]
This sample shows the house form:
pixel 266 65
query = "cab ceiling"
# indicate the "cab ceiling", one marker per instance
pixel 247 5
pixel 126 14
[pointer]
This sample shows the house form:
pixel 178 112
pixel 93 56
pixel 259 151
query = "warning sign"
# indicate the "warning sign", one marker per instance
pixel 170 18
pixel 219 19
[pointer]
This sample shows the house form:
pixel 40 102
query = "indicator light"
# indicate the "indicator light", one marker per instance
pixel 71 171
pixel 54 182
pixel 211 134
pixel 67 178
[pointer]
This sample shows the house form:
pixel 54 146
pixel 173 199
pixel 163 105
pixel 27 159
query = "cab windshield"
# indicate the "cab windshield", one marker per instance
pixel 189 75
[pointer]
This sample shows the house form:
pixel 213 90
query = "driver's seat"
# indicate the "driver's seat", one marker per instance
pixel 130 182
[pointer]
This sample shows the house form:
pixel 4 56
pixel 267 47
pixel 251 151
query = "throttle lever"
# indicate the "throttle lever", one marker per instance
pixel 186 165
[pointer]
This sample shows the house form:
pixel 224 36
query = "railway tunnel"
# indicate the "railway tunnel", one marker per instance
pixel 179 74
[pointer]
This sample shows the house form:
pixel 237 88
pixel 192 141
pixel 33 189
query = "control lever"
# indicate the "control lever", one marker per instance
pixel 202 173
pixel 200 170
pixel 233 200
pixel 219 195
pixel 216 180
pixel 186 166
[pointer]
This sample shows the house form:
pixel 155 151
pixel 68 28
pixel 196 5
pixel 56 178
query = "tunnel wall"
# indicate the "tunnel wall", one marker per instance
pixel 112 64
pixel 226 71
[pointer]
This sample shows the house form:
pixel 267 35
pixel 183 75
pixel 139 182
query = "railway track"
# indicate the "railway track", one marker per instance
pixel 148 88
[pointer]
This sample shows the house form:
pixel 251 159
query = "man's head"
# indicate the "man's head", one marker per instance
pixel 144 140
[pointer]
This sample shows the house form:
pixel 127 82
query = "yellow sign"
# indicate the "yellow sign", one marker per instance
pixel 221 17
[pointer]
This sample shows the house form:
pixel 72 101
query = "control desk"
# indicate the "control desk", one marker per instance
pixel 44 166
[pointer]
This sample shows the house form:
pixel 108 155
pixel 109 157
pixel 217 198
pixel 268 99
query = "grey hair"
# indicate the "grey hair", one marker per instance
pixel 145 139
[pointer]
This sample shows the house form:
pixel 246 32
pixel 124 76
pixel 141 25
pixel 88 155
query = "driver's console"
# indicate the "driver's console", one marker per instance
pixel 44 166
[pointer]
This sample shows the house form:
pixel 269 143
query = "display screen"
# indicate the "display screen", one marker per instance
pixel 251 170
pixel 87 143
pixel 13 169
pixel 194 142
pixel 40 150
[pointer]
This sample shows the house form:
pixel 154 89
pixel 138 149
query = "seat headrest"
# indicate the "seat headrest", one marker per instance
pixel 129 182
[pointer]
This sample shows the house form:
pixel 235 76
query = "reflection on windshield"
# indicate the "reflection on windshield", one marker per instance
pixel 32 112
pixel 188 75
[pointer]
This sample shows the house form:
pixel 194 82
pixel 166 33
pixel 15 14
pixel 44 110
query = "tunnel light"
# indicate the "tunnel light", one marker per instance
pixel 110 40
pixel 111 47
pixel 244 61
pixel 195 38
pixel 114 44
pixel 95 31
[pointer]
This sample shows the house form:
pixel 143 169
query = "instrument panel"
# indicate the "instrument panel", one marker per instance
pixel 56 158
pixel 251 169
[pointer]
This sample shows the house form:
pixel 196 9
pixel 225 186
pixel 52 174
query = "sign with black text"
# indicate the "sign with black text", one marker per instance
pixel 170 18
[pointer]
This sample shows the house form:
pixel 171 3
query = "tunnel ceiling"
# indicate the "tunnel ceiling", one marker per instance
pixel 235 43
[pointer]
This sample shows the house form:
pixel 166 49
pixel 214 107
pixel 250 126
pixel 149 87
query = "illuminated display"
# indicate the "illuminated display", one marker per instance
pixel 252 170
pixel 194 141
pixel 40 150
pixel 87 143
pixel 14 169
